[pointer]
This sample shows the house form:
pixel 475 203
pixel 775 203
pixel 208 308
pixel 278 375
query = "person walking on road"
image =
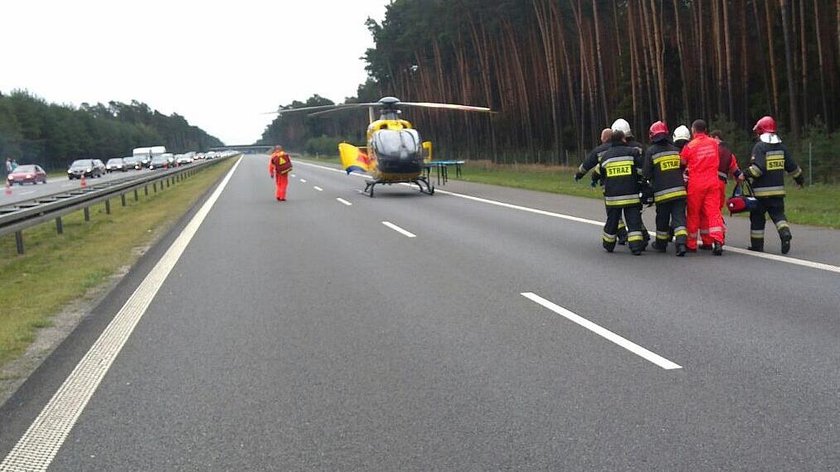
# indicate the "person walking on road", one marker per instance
pixel 279 166
pixel 728 166
pixel 621 167
pixel 701 157
pixel 769 161
pixel 663 169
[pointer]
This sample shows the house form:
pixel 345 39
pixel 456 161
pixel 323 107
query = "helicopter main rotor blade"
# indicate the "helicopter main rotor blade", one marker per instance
pixel 343 107
pixel 448 106
pixel 319 107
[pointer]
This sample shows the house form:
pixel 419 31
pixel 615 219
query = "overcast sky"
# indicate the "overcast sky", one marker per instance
pixel 220 64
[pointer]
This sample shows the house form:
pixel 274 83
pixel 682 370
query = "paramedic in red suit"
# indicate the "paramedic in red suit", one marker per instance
pixel 279 166
pixel 701 157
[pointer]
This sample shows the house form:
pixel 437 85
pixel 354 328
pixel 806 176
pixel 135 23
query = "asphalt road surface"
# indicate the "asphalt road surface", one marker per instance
pixel 481 328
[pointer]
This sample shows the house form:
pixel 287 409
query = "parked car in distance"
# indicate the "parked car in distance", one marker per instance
pixel 181 159
pixel 27 173
pixel 115 164
pixel 86 167
pixel 159 162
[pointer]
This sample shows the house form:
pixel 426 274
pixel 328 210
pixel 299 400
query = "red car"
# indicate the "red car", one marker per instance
pixel 28 173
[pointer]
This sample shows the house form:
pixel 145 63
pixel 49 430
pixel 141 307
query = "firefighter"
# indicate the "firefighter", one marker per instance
pixel 681 136
pixel 662 167
pixel 621 167
pixel 630 141
pixel 701 158
pixel 279 166
pixel 594 157
pixel 769 161
pixel 592 161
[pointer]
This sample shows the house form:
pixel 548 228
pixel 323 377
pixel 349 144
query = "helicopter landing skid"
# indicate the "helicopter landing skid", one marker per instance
pixel 422 182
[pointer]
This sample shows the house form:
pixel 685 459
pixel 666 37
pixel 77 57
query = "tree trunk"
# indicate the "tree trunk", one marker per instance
pixel 601 83
pixel 803 48
pixel 635 73
pixel 728 52
pixel 660 67
pixel 820 62
pixel 794 114
pixel 774 80
pixel 682 58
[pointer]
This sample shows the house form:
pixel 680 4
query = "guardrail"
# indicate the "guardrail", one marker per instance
pixel 21 215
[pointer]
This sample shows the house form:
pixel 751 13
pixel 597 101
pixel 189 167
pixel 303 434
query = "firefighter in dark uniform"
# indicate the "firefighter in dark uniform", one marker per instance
pixel 621 167
pixel 768 164
pixel 594 157
pixel 662 168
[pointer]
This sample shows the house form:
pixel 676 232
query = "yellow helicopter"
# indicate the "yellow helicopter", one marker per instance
pixel 394 151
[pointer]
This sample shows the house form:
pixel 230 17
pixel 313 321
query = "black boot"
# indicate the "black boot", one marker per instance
pixel 680 249
pixel 717 248
pixel 622 235
pixel 785 236
pixel 659 245
pixel 756 244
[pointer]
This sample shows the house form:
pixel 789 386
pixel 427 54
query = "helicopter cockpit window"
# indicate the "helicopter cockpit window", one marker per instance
pixel 402 144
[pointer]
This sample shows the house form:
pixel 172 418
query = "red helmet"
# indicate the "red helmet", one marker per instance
pixel 765 124
pixel 657 129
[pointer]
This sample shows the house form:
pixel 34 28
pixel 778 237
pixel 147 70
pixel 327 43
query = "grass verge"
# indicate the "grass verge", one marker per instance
pixel 60 268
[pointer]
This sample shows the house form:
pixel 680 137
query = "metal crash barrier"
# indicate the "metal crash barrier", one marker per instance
pixel 16 217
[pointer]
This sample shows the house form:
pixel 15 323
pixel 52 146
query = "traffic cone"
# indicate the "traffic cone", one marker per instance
pixel 83 182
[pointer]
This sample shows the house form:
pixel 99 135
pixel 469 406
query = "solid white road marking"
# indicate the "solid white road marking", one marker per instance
pixel 762 255
pixel 344 201
pixel 39 445
pixel 318 188
pixel 303 181
pixel 603 332
pixel 398 229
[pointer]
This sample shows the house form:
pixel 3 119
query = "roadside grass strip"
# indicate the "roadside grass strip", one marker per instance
pixel 41 442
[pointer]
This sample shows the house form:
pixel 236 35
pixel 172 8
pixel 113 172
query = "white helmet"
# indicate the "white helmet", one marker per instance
pixel 621 125
pixel 682 134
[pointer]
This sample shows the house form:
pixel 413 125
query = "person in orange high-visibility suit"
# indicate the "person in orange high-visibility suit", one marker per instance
pixel 279 166
pixel 701 157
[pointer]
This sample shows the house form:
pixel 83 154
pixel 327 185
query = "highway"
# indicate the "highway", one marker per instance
pixel 482 328
pixel 18 193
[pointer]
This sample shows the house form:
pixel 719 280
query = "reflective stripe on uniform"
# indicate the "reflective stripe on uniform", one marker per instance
pixel 663 235
pixel 775 191
pixel 669 193
pixel 782 224
pixel 757 234
pixel 618 159
pixel 754 171
pixel 621 200
pixel 680 231
pixel 635 236
pixel 796 173
pixel 609 238
pixel 665 155
pixel 715 229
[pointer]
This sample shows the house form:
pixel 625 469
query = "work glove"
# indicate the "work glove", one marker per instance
pixel 800 180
